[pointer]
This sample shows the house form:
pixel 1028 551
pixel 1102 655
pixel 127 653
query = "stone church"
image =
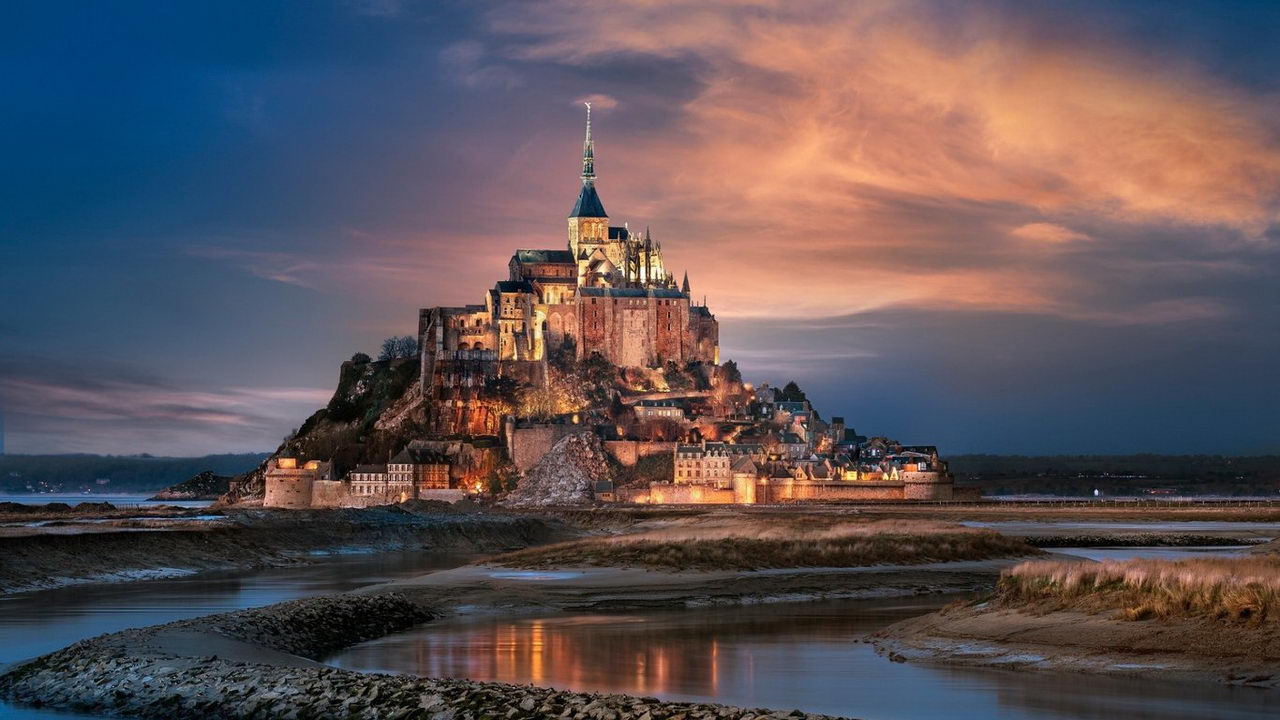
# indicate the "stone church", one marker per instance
pixel 608 292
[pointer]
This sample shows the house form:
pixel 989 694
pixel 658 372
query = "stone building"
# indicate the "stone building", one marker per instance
pixel 413 474
pixel 650 409
pixel 607 293
pixel 714 473
pixel 289 485
pixel 414 471
pixel 369 481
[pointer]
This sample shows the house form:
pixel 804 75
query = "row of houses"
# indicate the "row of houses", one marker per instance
pixel 717 472
pixel 413 474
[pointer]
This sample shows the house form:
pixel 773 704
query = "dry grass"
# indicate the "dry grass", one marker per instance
pixel 756 545
pixel 1245 589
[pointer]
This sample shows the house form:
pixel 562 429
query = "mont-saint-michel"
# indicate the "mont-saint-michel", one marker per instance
pixel 589 373
pixel 385 360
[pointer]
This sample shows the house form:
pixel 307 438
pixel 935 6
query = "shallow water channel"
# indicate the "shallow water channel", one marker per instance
pixel 808 656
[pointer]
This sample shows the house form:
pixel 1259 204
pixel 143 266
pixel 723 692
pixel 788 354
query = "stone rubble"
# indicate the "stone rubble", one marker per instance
pixel 131 674
pixel 566 475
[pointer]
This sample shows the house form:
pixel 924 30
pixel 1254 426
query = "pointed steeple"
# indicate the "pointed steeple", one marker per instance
pixel 588 151
pixel 588 204
pixel 684 286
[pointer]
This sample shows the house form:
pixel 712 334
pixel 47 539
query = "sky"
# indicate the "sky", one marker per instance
pixel 1007 227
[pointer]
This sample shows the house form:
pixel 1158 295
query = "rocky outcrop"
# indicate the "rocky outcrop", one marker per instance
pixel 260 664
pixel 202 486
pixel 566 475
pixel 376 410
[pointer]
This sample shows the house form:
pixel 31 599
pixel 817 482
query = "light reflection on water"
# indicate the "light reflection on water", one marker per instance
pixel 809 656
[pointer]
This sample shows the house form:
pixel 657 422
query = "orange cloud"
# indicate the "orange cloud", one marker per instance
pixel 850 156
pixel 1049 233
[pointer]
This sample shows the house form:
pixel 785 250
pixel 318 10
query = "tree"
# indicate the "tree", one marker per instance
pixel 566 355
pixel 677 379
pixel 360 358
pixel 731 372
pixel 504 393
pixel 620 412
pixel 540 403
pixel 398 347
pixel 791 392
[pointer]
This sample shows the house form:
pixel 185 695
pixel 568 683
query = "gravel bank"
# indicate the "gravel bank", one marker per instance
pixel 260 664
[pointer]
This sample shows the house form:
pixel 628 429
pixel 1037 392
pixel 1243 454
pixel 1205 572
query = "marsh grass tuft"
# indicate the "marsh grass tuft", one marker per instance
pixel 1244 589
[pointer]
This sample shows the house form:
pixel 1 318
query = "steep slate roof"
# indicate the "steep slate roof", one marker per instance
pixel 699 310
pixel 544 256
pixel 618 233
pixel 743 464
pixel 514 286
pixel 588 205
pixel 631 292
pixel 660 403
pixel 370 469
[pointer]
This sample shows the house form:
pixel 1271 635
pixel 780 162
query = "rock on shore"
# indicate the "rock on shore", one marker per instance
pixel 202 486
pixel 260 664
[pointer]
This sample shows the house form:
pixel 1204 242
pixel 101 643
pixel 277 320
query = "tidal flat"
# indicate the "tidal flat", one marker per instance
pixel 267 651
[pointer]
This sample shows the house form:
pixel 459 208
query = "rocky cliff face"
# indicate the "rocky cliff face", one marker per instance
pixel 566 475
pixel 375 411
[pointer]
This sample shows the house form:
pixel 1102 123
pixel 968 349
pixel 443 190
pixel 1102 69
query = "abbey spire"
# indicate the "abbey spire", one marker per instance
pixel 588 205
pixel 588 222
pixel 588 152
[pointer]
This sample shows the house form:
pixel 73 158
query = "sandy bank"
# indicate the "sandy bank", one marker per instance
pixel 492 588
pixel 1191 650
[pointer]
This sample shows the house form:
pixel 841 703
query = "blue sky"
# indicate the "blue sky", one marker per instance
pixel 992 226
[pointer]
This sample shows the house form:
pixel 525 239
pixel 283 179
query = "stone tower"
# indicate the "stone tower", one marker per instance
pixel 588 222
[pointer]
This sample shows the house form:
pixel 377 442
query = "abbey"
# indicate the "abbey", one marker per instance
pixel 608 292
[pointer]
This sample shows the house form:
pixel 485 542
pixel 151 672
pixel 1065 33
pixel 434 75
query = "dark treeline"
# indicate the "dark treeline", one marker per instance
pixel 122 473
pixel 1141 474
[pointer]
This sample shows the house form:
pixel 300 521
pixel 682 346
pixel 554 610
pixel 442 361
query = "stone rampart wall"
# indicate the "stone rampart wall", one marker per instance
pixel 668 493
pixel 926 486
pixel 628 452
pixel 290 490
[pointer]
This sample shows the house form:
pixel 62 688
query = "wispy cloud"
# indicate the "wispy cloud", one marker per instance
pixel 136 411
pixel 472 65
pixel 278 267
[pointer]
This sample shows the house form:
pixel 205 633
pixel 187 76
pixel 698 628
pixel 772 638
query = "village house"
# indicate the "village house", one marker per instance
pixel 650 409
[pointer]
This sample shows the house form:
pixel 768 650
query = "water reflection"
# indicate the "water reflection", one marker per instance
pixel 808 656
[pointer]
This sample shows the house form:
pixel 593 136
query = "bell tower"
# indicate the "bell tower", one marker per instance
pixel 588 222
